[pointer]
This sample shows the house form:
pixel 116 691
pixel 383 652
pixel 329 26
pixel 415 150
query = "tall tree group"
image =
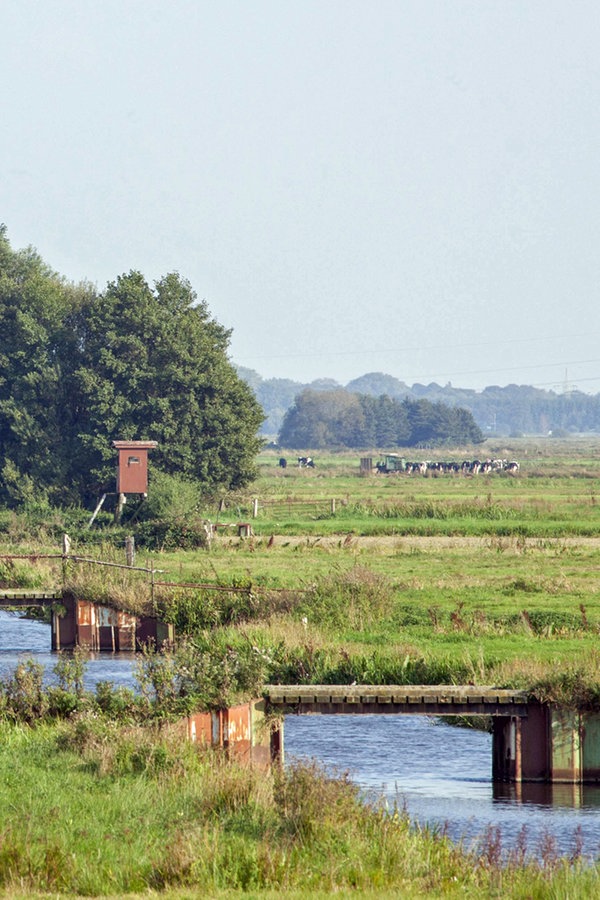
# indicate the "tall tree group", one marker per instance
pixel 80 368
pixel 339 418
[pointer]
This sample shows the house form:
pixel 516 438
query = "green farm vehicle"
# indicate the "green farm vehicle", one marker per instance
pixel 391 462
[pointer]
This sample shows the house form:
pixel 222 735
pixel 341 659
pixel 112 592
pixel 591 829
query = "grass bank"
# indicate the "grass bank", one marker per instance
pixel 94 809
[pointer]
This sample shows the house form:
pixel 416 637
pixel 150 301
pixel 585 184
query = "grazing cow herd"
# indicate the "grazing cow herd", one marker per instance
pixel 467 467
pixel 429 467
pixel 304 462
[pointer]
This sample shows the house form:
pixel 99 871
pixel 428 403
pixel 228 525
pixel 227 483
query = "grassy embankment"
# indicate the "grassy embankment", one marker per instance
pixel 90 809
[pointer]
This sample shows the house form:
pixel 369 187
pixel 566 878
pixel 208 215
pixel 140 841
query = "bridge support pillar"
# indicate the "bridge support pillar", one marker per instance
pixel 520 746
pixel 551 745
pixel 245 731
pixel 150 630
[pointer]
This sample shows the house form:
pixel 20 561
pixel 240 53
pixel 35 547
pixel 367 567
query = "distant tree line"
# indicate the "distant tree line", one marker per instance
pixel 80 368
pixel 340 419
pixel 510 410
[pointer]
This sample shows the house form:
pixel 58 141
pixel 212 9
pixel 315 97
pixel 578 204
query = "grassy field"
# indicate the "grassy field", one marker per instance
pixel 90 809
pixel 492 579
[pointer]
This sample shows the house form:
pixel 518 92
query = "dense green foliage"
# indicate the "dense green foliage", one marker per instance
pixel 320 419
pixel 79 369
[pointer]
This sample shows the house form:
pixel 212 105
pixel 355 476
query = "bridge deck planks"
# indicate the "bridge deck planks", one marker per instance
pixel 435 699
pixel 14 598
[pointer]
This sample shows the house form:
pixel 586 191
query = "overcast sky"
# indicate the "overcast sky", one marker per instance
pixel 400 186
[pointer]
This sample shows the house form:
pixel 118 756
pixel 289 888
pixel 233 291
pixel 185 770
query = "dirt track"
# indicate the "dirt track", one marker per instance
pixel 437 542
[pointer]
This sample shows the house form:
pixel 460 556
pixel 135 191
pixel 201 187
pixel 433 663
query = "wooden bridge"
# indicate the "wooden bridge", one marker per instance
pixel 437 700
pixel 12 599
pixel 531 741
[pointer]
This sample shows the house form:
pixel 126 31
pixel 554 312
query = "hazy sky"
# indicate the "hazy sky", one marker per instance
pixel 404 186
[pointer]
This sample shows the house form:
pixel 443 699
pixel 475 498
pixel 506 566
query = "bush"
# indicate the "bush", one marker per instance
pixel 171 534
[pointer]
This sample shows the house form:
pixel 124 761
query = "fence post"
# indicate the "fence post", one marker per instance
pixel 333 506
pixel 66 549
pixel 255 508
pixel 121 501
pixel 152 587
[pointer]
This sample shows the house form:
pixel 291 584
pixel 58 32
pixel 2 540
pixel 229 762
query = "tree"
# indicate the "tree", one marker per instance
pixel 79 369
pixel 317 419
pixel 154 366
pixel 341 419
pixel 35 304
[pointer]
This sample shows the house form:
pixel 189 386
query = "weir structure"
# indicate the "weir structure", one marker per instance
pixel 532 742
pixel 92 626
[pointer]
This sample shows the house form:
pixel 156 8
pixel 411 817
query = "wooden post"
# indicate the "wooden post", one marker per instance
pixel 130 550
pixel 66 549
pixel 152 587
pixel 121 501
pixel 333 506
pixel 255 508
pixel 97 510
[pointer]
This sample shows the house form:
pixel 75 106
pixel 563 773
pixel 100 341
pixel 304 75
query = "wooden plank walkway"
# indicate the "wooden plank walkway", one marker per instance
pixel 17 598
pixel 438 700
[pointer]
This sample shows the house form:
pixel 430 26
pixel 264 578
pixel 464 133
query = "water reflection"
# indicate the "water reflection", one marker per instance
pixel 578 796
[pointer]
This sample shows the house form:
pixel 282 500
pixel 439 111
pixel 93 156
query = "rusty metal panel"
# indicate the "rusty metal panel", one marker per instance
pixel 107 639
pixel 64 628
pixel 237 735
pixel 116 630
pixel 86 613
pixel 148 628
pixel 125 631
pixel 265 748
pixel 107 617
pixel 87 632
pixel 535 744
pixel 200 728
pixel 218 729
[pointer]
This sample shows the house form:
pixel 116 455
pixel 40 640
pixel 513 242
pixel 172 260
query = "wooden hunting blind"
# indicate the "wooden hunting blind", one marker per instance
pixel 132 466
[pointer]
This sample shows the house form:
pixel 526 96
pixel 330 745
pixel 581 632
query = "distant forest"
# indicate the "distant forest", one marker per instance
pixel 511 410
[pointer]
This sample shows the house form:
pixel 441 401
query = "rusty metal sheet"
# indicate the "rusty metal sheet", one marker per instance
pixel 200 728
pixel 535 744
pixel 565 744
pixel 107 617
pixel 590 736
pixel 86 613
pixel 238 726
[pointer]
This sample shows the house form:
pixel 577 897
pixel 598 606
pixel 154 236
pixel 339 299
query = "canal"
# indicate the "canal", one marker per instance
pixel 439 774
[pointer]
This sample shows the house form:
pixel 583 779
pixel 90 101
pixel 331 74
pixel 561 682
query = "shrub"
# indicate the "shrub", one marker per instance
pixel 169 534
